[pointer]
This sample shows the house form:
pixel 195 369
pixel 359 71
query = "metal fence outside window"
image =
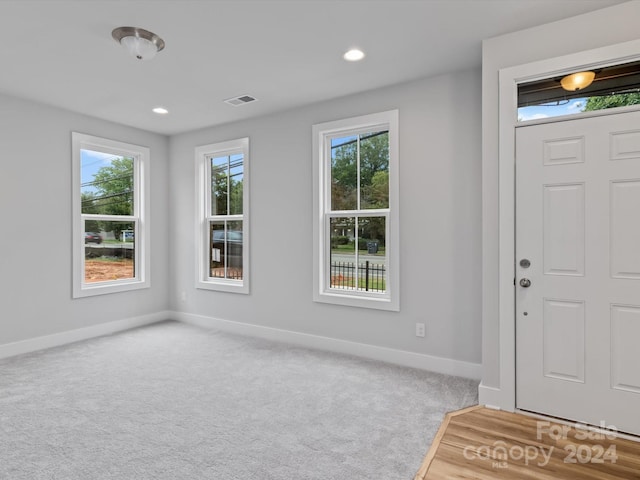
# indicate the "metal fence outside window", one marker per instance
pixel 371 276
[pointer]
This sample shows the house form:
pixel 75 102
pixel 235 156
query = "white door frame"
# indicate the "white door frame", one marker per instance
pixel 509 78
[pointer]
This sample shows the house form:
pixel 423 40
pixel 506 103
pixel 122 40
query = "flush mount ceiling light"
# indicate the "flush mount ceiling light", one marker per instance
pixel 353 55
pixel 140 43
pixel 160 110
pixel 577 81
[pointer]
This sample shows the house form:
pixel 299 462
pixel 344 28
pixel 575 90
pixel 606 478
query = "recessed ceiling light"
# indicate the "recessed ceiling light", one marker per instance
pixel 160 110
pixel 353 55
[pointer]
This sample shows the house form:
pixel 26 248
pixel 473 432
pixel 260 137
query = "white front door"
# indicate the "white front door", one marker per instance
pixel 578 228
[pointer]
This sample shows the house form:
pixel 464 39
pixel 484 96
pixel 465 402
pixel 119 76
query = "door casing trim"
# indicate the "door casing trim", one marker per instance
pixel 508 79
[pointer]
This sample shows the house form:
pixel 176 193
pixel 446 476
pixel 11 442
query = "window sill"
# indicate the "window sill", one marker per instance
pixel 231 286
pixel 360 301
pixel 102 289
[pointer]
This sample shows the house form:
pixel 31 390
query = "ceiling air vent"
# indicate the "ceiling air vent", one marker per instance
pixel 241 100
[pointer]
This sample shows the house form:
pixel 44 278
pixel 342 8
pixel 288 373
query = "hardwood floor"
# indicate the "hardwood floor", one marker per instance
pixel 481 444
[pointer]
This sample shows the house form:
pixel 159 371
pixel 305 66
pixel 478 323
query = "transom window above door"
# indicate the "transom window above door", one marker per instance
pixel 584 90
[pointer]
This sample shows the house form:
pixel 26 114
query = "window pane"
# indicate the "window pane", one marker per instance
pixel 219 185
pixel 236 176
pixel 372 264
pixel 234 250
pixel 611 87
pixel 226 249
pixel 343 253
pixel 374 170
pixel 109 251
pixel 106 183
pixel 216 256
pixel 344 173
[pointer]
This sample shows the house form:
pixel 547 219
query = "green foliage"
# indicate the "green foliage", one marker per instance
pixel 376 195
pixel 114 185
pixel 226 189
pixel 89 206
pixel 374 173
pixel 372 229
pixel 113 195
pixel 344 176
pixel 219 182
pixel 88 202
pixel 612 101
pixel 339 240
pixel 235 197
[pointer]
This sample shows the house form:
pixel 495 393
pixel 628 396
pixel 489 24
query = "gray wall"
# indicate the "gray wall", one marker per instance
pixel 585 32
pixel 440 187
pixel 440 222
pixel 35 211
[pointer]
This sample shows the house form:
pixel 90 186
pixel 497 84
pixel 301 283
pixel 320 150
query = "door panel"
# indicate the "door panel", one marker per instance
pixel 578 223
pixel 564 150
pixel 625 234
pixel 563 330
pixel 563 229
pixel 625 145
pixel 625 355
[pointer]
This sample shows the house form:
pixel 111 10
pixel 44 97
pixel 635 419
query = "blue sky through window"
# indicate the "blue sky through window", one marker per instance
pixel 90 162
pixel 555 109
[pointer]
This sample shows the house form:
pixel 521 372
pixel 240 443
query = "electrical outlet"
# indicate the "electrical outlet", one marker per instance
pixel 183 296
pixel 419 329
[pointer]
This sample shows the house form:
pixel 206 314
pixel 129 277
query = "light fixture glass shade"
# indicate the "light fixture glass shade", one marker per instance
pixel 140 48
pixel 577 81
pixel 140 43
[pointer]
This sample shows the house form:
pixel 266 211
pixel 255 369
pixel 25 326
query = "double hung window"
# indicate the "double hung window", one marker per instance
pixel 356 211
pixel 223 220
pixel 110 216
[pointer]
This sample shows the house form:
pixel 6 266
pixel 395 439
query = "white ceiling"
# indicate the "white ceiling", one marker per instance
pixel 286 53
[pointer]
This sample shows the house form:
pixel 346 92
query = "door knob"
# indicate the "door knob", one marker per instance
pixel 525 282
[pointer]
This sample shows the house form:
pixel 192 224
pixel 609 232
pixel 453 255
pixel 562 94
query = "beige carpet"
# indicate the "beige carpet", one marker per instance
pixel 172 401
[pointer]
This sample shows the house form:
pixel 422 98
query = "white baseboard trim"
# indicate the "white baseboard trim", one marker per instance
pixel 399 357
pixel 491 397
pixel 63 338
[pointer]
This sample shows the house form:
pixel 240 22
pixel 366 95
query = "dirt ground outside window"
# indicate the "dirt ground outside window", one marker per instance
pixel 107 269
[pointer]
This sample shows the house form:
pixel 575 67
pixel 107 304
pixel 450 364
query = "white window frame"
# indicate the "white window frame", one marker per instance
pixel 322 135
pixel 204 216
pixel 140 217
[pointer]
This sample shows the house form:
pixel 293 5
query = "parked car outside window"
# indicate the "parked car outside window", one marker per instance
pixel 91 237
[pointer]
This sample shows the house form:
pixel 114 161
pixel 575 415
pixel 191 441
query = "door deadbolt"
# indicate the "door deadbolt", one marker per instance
pixel 525 282
pixel 525 263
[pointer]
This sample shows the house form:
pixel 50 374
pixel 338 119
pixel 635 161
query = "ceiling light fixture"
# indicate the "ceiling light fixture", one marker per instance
pixel 140 43
pixel 577 81
pixel 160 110
pixel 353 55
